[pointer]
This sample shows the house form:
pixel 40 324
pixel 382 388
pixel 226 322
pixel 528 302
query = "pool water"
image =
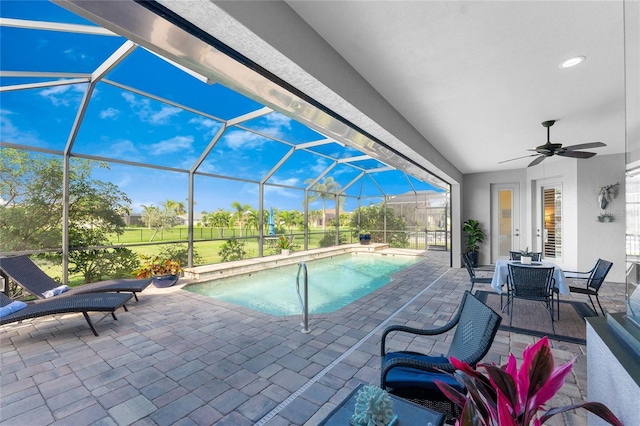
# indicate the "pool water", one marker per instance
pixel 333 283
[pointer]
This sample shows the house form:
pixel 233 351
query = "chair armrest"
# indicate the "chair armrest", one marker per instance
pixel 485 268
pixel 418 331
pixel 413 363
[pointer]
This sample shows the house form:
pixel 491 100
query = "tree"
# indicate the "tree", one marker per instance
pixel 324 191
pixel 291 218
pixel 373 218
pixel 31 206
pixel 240 212
pixel 32 200
pixel 165 217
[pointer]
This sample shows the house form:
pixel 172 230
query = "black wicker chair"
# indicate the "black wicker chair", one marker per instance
pixel 410 375
pixel 592 281
pixel 531 284
pixel 80 303
pixel 27 275
pixel 472 271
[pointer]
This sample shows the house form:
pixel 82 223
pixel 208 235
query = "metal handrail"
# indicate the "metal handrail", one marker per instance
pixel 304 305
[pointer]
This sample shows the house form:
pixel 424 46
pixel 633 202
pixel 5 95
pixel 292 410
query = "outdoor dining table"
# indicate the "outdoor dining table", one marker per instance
pixel 502 272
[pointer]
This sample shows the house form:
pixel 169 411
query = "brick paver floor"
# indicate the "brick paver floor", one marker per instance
pixel 181 358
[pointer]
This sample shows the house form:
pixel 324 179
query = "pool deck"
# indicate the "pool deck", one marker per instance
pixel 181 358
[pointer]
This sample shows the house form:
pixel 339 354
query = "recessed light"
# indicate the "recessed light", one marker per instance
pixel 572 62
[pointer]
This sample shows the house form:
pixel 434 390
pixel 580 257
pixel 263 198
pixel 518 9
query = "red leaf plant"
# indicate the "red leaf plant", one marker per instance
pixel 506 396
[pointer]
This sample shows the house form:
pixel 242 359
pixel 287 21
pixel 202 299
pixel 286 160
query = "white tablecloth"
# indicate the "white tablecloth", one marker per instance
pixel 502 272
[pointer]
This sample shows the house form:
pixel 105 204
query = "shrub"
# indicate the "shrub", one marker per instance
pixel 232 250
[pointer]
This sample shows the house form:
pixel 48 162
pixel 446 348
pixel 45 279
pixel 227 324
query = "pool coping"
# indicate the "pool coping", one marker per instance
pixel 247 266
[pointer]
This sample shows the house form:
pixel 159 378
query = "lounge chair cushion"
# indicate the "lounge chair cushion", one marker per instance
pixel 407 377
pixel 12 307
pixel 55 291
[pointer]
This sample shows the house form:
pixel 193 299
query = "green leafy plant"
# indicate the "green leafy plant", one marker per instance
pixel 284 243
pixel 526 253
pixel 475 235
pixel 154 265
pixel 512 397
pixel 232 250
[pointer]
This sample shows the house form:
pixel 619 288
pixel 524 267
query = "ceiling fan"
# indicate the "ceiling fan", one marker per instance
pixel 549 149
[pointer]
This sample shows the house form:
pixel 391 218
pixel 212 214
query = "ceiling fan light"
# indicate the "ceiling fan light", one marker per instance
pixel 572 62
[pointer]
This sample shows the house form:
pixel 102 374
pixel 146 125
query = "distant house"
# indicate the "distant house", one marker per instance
pixel 133 220
pixel 183 219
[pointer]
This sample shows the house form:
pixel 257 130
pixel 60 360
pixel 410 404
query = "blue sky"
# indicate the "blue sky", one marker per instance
pixel 126 125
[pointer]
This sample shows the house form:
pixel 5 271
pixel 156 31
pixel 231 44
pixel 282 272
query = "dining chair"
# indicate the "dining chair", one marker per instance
pixel 591 281
pixel 472 272
pixel 531 284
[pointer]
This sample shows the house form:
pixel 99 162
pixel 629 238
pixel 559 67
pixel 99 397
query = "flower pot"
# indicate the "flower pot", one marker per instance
pixel 473 258
pixel 286 252
pixel 161 281
pixel 365 239
pixel 525 260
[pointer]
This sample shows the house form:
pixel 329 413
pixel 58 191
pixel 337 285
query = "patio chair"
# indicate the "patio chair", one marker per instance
pixel 85 303
pixel 591 282
pixel 531 284
pixel 27 275
pixel 472 272
pixel 411 375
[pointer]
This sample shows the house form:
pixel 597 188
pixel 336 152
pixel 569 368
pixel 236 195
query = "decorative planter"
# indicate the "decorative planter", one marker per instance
pixel 286 252
pixel 525 260
pixel 473 258
pixel 167 280
pixel 365 239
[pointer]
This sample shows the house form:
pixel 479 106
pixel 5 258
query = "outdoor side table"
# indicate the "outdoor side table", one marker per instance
pixel 408 412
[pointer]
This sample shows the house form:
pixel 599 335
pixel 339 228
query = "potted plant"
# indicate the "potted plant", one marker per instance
pixel 475 237
pixel 284 244
pixel 526 256
pixel 508 396
pixel 163 272
pixel 365 237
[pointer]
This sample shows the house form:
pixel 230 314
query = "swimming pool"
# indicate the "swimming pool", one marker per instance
pixel 333 283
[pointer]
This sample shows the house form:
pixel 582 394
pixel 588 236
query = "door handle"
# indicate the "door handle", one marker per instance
pixel 517 232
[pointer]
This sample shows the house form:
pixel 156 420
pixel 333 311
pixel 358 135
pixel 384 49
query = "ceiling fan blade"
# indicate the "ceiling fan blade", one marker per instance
pixel 517 158
pixel 537 160
pixel 584 146
pixel 576 154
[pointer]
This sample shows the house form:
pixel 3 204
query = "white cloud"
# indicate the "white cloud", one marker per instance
pixel 10 133
pixel 208 125
pixel 64 95
pixel 175 144
pixel 109 113
pixel 144 110
pixel 243 140
pixel 278 120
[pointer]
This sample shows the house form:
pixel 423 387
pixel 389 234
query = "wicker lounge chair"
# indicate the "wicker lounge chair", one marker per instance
pixel 27 275
pixel 85 303
pixel 411 375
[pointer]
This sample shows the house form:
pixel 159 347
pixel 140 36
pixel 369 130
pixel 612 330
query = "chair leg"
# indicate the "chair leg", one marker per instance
pixel 601 310
pixel 86 316
pixel 558 304
pixel 594 306
pixel 510 309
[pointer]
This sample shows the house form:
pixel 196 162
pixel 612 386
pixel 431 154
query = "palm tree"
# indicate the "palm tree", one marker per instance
pixel 253 219
pixel 315 215
pixel 239 213
pixel 323 191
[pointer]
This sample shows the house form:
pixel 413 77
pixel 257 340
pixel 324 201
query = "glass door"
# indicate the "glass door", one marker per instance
pixel 549 231
pixel 505 220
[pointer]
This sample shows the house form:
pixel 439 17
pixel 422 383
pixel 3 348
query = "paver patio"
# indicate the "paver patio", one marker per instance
pixel 181 358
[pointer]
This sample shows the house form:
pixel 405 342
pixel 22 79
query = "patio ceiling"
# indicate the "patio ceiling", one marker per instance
pixel 69 86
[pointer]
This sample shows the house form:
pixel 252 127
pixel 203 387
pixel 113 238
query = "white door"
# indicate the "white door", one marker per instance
pixel 549 221
pixel 505 220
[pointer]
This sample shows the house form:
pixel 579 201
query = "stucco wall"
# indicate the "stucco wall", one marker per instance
pixel 597 239
pixel 584 238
